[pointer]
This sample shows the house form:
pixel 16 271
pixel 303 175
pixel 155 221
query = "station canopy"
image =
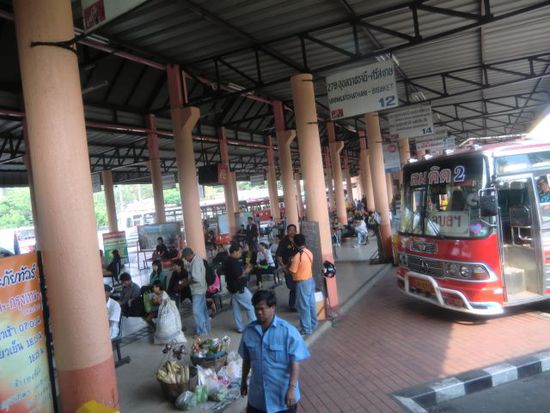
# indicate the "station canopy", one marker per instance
pixel 483 65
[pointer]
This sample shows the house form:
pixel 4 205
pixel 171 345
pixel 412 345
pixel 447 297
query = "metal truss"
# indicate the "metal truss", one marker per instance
pixel 354 23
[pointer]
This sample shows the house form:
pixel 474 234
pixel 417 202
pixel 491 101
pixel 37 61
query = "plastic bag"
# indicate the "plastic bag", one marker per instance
pixel 234 366
pixel 201 394
pixel 185 401
pixel 168 324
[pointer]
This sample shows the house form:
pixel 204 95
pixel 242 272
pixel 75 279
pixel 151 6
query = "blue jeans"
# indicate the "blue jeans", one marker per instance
pixel 242 301
pixel 200 314
pixel 307 311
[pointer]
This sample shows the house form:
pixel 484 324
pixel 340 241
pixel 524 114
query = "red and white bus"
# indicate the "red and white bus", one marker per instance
pixel 474 234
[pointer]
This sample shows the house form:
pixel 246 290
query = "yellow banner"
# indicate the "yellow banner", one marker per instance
pixel 24 376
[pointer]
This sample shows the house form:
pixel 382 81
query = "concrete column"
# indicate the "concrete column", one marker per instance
pixel 358 186
pixel 235 191
pixel 300 200
pixel 379 180
pixel 366 176
pixel 154 169
pixel 420 153
pixel 339 197
pixel 183 121
pixel 108 189
pixel 347 173
pixel 404 156
pixel 272 183
pixel 63 188
pixel 228 186
pixel 328 180
pixel 389 186
pixel 284 140
pixel 312 166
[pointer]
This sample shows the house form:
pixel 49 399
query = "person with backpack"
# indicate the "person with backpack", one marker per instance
pixel 198 285
pixel 237 278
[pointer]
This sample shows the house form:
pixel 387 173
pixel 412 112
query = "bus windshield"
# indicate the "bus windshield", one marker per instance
pixel 441 198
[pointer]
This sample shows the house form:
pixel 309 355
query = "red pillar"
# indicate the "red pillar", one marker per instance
pixel 183 122
pixel 328 178
pixel 109 190
pixel 154 169
pixel 379 180
pixel 366 176
pixel 272 183
pixel 312 166
pixel 228 186
pixel 339 197
pixel 66 218
pixel 284 139
pixel 404 156
pixel 301 208
pixel 347 173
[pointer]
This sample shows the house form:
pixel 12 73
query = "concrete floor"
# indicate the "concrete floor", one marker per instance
pixel 139 390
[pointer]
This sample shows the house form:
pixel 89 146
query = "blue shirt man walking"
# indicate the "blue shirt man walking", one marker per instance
pixel 273 349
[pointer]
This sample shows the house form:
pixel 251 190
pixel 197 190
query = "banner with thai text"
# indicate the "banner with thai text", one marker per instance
pixel 115 241
pixel 25 384
pixel 96 13
pixel 411 122
pixel 392 161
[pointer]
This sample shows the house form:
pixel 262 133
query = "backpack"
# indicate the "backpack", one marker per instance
pixel 209 273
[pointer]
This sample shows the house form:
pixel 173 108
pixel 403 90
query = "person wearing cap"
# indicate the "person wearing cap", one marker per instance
pixel 113 312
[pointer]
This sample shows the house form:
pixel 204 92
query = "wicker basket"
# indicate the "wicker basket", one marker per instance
pixel 216 361
pixel 172 391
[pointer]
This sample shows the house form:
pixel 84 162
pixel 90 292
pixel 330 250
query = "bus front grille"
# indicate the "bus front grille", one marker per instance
pixel 425 266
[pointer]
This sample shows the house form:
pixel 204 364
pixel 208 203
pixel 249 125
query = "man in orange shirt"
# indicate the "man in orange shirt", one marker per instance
pixel 301 270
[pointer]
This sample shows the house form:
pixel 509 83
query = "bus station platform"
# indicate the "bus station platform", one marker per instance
pixel 384 342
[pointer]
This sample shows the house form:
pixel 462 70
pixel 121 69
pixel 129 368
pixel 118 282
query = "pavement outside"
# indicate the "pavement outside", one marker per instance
pixel 386 342
pixel 139 392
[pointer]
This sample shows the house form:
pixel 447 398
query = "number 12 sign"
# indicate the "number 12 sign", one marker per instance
pixel 362 90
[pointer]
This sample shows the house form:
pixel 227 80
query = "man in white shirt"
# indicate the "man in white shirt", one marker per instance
pixel 113 312
pixel 198 286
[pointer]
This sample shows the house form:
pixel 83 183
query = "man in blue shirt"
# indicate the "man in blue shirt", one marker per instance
pixel 273 348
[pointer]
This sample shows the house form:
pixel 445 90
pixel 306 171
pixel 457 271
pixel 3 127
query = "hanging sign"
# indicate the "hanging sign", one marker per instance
pixel 436 143
pixel 96 13
pixel 411 122
pixel 392 162
pixel 223 173
pixel 168 181
pixel 370 88
pixel 25 384
pixel 257 179
pixel 96 183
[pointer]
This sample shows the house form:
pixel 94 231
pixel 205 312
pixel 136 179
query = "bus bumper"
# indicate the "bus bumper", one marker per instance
pixel 425 288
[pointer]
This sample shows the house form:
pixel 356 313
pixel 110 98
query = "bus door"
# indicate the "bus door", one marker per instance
pixel 520 239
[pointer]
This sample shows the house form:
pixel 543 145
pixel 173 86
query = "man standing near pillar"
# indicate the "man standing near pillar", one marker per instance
pixel 197 272
pixel 284 254
pixel 301 269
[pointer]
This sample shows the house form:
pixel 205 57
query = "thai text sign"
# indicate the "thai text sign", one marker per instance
pixel 24 380
pixel 451 223
pixel 411 122
pixel 115 241
pixel 437 142
pixel 96 13
pixel 257 179
pixel 362 90
pixel 391 157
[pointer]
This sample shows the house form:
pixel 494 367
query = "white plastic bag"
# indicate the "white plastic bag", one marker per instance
pixel 168 327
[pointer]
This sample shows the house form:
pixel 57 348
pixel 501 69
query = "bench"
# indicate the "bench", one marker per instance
pixel 116 346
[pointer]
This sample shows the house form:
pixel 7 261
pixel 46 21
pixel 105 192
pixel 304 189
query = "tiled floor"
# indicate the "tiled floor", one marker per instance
pixel 389 341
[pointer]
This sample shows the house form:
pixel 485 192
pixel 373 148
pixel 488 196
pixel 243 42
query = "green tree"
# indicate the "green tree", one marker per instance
pixel 15 208
pixel 100 208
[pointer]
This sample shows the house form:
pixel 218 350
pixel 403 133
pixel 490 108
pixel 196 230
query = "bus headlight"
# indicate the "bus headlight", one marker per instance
pixel 403 259
pixel 467 271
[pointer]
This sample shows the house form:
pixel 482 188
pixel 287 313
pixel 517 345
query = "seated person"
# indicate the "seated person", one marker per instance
pixel 544 189
pixel 157 274
pixel 264 263
pixel 130 297
pixel 161 251
pixel 113 312
pixel 361 231
pixel 155 298
pixel 179 282
pixel 115 265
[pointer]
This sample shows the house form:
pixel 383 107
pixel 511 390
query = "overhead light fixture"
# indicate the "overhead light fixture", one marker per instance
pixel 235 87
pixel 95 87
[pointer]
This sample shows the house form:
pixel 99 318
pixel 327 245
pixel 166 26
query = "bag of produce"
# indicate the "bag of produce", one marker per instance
pixel 187 400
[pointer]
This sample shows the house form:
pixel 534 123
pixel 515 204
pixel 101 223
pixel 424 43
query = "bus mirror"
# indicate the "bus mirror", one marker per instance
pixel 488 206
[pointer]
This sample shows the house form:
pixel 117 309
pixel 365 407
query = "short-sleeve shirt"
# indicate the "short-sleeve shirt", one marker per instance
pixel 301 265
pixel 113 314
pixel 271 353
